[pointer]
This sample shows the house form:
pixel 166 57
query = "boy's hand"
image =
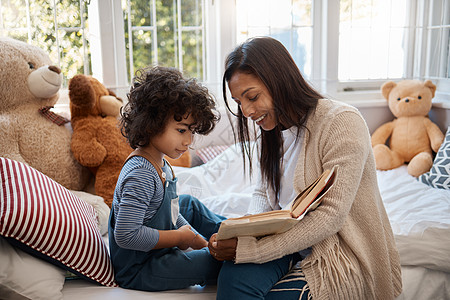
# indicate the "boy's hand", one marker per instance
pixel 186 237
pixel 199 242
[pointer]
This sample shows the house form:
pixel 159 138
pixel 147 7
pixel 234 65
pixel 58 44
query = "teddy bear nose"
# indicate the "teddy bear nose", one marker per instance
pixel 55 69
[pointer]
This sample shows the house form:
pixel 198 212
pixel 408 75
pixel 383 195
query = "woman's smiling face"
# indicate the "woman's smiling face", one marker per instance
pixel 254 99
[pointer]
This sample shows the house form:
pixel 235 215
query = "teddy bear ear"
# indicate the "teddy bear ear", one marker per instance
pixel 114 95
pixel 431 86
pixel 386 89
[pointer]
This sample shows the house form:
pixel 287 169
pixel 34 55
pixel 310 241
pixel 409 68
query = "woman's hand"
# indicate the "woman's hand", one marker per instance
pixel 223 249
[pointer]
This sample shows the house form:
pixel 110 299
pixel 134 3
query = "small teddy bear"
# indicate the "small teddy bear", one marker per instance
pixel 97 142
pixel 413 136
pixel 29 131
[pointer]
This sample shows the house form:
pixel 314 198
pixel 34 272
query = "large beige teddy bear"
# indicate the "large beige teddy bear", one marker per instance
pixel 29 132
pixel 412 135
pixel 29 86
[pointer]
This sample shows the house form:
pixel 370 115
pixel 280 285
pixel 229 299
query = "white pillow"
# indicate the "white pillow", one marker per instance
pixel 23 276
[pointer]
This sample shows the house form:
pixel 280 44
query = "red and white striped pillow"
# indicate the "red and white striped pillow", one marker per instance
pixel 52 223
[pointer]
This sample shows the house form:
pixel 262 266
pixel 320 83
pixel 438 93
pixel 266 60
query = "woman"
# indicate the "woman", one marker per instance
pixel 346 245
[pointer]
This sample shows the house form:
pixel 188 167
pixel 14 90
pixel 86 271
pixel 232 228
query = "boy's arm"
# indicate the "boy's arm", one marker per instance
pixel 199 242
pixel 181 238
pixel 181 221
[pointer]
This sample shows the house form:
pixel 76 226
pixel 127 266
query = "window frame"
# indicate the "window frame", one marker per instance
pixel 110 66
pixel 423 51
pixel 416 60
pixel 106 28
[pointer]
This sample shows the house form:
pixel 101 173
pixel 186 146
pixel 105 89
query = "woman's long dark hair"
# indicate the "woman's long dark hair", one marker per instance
pixel 293 98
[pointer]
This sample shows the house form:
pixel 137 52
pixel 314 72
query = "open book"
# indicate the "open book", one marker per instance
pixel 278 221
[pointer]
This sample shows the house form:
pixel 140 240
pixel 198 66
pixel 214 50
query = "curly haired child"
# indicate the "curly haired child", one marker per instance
pixel 150 227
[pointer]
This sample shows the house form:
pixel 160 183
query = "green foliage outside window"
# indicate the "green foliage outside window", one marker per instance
pixel 141 17
pixel 35 24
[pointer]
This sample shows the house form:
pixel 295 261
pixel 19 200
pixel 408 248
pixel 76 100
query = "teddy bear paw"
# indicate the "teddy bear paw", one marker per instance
pixel 421 163
pixel 385 158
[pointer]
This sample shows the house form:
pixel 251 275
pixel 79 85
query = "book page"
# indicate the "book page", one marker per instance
pixel 258 228
pixel 313 195
pixel 262 216
pixel 296 202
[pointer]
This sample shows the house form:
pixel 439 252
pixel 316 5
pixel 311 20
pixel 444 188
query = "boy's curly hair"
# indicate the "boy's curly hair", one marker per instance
pixel 159 93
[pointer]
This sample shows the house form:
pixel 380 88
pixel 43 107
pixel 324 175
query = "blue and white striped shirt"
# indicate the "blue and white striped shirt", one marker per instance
pixel 138 195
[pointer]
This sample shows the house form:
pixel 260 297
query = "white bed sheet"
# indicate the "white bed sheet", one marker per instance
pixel 420 283
pixel 80 289
pixel 420 219
pixel 419 215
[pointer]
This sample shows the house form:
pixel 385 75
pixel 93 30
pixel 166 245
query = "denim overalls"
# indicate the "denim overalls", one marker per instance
pixel 167 268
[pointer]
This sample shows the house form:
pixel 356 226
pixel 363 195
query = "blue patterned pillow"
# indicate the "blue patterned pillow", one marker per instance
pixel 439 174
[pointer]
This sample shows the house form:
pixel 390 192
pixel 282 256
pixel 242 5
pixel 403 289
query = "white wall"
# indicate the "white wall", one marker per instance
pixel 377 113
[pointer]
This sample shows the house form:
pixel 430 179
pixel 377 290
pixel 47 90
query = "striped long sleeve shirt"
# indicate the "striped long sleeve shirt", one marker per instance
pixel 138 195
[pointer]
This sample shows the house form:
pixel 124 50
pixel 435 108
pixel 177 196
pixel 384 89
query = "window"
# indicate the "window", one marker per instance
pixel 289 21
pixel 432 44
pixel 346 48
pixel 438 30
pixel 58 27
pixel 394 40
pixel 166 32
pixel 119 38
pixel 373 39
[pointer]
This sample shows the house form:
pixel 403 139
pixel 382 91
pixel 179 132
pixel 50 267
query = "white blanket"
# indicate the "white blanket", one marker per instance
pixel 220 184
pixel 420 219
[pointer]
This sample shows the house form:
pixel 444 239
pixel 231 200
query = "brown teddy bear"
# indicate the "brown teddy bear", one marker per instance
pixel 413 136
pixel 29 130
pixel 97 142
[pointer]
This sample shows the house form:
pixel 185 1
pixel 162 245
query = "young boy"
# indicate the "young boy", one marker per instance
pixel 149 225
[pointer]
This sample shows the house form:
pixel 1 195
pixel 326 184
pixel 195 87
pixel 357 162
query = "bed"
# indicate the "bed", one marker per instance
pixel 419 214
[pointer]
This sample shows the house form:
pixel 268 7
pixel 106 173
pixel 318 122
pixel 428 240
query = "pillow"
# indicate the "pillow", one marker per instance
pixel 439 174
pixel 24 276
pixel 208 153
pixel 48 221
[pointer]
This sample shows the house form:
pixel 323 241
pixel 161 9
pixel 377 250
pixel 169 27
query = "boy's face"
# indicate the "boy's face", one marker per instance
pixel 175 139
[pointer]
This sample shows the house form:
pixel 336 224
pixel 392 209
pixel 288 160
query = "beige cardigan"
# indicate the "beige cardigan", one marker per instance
pixel 353 248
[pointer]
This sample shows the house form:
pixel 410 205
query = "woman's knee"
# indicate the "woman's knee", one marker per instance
pixel 250 281
pixel 238 282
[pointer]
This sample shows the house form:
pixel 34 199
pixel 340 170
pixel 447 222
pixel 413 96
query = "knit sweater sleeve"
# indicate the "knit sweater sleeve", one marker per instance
pixel 260 202
pixel 341 139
